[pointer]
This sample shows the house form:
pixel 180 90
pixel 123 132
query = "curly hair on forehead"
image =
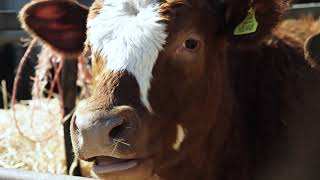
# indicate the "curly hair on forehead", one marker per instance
pixel 169 7
pixel 237 8
pixel 231 13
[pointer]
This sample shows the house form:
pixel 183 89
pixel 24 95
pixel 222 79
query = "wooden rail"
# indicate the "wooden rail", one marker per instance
pixel 69 76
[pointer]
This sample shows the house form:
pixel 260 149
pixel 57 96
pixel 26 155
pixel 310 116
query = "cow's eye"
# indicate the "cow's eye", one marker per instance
pixel 191 44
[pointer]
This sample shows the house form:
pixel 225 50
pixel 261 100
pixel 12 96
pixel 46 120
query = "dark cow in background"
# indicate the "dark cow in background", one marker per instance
pixel 184 89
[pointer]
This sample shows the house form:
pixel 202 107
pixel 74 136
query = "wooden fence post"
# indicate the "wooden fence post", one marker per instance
pixel 68 83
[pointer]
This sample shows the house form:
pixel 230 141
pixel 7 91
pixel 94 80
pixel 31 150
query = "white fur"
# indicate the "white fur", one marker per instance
pixel 128 34
pixel 180 137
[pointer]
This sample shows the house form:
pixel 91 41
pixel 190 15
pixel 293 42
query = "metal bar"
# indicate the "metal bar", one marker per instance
pixel 298 10
pixel 306 5
pixel 14 174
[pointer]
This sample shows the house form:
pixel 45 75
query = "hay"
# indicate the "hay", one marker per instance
pixel 36 120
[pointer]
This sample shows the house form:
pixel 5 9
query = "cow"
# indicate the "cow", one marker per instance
pixel 188 89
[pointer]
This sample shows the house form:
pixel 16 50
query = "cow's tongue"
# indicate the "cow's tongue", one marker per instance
pixel 104 165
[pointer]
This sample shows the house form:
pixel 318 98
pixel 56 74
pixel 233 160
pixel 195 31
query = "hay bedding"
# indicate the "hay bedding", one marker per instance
pixel 36 120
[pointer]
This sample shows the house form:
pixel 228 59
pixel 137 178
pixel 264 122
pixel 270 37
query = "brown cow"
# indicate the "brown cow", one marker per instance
pixel 179 93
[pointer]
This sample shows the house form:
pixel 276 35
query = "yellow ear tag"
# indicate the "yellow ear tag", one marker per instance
pixel 248 25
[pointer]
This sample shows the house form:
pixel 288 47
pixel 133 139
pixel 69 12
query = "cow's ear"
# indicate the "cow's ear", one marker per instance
pixel 58 24
pixel 249 21
pixel 312 50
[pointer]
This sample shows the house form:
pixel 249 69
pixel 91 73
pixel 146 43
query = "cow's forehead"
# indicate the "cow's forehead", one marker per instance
pixel 129 34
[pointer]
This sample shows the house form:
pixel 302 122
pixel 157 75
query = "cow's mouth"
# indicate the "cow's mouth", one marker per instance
pixel 106 165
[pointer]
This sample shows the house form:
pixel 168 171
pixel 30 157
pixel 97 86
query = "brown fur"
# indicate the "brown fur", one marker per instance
pixel 298 29
pixel 249 105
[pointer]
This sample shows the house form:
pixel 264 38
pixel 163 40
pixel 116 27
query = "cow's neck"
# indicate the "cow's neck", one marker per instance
pixel 228 153
pixel 223 153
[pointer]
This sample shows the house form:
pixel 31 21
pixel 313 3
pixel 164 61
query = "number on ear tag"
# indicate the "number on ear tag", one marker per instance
pixel 248 25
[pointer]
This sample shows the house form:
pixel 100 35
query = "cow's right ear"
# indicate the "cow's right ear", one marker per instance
pixel 58 24
pixel 247 22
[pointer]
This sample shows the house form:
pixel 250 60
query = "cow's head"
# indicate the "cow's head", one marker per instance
pixel 161 87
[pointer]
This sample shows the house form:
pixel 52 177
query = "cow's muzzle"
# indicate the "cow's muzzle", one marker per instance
pixel 103 133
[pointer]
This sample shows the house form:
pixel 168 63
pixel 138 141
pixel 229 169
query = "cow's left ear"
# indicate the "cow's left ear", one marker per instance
pixel 248 21
pixel 58 24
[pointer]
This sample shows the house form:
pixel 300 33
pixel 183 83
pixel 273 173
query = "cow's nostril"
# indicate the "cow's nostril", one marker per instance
pixel 117 131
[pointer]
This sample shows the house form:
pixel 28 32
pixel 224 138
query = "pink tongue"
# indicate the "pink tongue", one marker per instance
pixel 102 161
pixel 108 167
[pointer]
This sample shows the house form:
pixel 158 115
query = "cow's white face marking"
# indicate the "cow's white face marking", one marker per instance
pixel 180 137
pixel 128 34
